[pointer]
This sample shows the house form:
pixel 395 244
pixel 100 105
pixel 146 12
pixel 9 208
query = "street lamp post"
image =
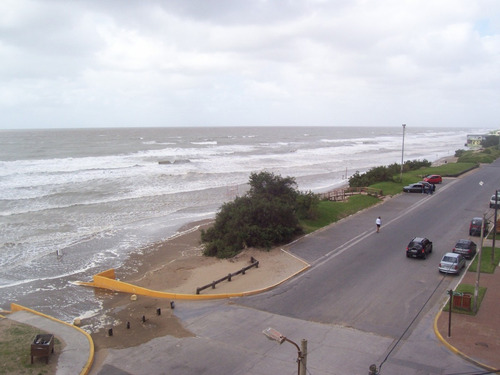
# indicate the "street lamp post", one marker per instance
pixel 274 335
pixel 402 152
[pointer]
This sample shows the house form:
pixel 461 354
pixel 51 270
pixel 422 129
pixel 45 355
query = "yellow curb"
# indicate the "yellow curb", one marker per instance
pixel 455 350
pixel 86 369
pixel 107 280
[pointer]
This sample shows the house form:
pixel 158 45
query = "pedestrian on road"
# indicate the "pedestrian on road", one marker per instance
pixel 378 223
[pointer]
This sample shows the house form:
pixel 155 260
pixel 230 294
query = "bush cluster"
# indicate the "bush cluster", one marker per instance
pixel 266 216
pixel 385 173
pixel 486 155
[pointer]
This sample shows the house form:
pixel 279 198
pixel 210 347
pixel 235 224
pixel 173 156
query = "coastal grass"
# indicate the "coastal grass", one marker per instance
pixel 330 212
pixel 15 350
pixel 487 155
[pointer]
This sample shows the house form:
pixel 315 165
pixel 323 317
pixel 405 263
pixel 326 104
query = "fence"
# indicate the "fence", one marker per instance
pixel 254 263
pixel 342 194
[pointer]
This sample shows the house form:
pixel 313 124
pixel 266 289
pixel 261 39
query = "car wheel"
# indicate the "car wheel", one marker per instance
pixel 424 256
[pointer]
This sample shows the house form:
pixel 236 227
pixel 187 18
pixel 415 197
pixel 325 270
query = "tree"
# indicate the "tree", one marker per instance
pixel 266 216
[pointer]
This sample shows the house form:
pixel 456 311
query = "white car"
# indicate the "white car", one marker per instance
pixel 492 200
pixel 452 263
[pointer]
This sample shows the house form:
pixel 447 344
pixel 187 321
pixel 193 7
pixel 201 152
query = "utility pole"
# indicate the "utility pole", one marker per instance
pixel 303 362
pixel 450 292
pixel 402 152
pixel 494 229
pixel 478 271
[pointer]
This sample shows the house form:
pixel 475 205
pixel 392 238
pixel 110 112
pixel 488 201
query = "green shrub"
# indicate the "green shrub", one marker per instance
pixel 385 173
pixel 268 215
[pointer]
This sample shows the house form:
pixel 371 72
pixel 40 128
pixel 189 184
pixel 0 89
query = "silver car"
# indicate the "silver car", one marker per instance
pixel 452 263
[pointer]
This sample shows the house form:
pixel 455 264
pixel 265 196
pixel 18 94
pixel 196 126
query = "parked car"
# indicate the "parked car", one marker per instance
pixel 433 179
pixel 467 248
pixel 419 247
pixel 492 201
pixel 475 227
pixel 452 263
pixel 417 187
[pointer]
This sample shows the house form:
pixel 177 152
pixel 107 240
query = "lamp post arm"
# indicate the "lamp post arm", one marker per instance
pixel 299 353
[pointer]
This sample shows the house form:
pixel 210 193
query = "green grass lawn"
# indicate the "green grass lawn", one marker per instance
pixel 15 351
pixel 330 212
pixel 487 266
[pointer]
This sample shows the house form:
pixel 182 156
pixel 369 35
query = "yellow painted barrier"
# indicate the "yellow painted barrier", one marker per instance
pixel 86 369
pixel 106 280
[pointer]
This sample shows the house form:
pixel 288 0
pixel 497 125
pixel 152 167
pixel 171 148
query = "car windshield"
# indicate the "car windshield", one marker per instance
pixel 461 245
pixel 450 259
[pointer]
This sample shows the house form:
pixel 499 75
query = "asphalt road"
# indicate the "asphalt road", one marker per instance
pixel 362 279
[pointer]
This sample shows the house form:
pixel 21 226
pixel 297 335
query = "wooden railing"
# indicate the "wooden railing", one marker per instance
pixel 254 263
pixel 342 194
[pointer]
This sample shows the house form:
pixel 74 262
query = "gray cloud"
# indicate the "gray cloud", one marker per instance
pixel 227 62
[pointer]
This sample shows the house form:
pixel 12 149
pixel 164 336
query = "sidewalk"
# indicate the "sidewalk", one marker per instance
pixel 77 355
pixel 476 338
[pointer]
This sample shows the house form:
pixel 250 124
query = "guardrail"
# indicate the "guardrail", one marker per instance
pixel 254 263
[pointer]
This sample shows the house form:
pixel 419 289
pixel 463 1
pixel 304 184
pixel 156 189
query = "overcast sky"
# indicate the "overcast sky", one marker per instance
pixel 115 63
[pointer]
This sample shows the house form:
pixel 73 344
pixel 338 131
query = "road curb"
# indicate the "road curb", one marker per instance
pixel 455 350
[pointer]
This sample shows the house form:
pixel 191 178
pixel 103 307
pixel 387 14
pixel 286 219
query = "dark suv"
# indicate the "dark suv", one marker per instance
pixel 465 247
pixel 475 227
pixel 419 247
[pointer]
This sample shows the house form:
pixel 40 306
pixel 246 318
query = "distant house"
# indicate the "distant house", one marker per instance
pixel 474 140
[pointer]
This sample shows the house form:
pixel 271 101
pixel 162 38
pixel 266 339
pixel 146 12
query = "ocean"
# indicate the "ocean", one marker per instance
pixel 79 201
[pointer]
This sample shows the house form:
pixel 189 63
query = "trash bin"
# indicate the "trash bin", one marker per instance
pixel 42 346
pixel 467 301
pixel 462 301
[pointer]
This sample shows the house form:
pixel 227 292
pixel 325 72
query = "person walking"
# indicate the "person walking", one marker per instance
pixel 378 223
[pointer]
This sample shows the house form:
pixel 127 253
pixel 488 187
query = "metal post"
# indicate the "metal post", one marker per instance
pixel 450 292
pixel 478 271
pixel 299 353
pixel 402 152
pixel 274 335
pixel 303 362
